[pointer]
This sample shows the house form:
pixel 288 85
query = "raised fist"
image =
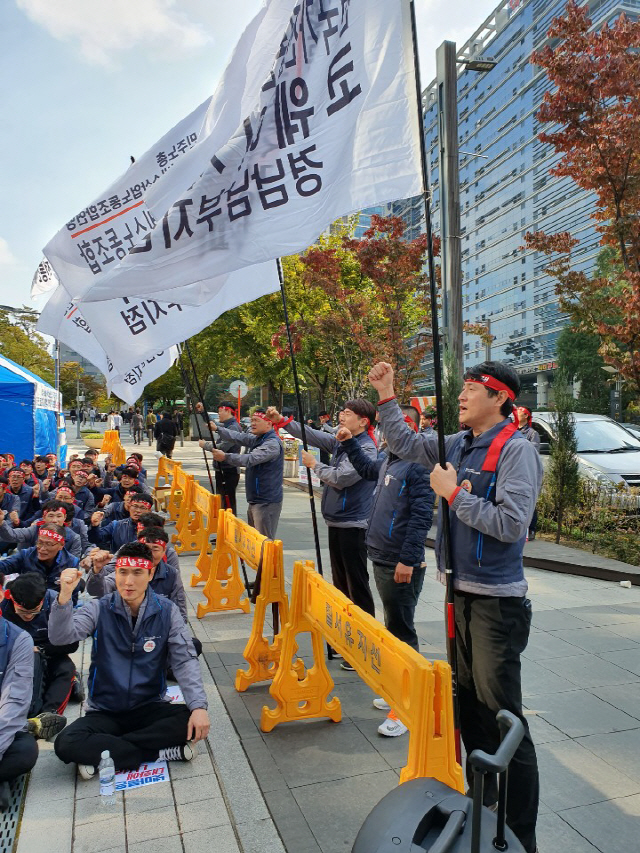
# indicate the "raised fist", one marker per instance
pixel 273 415
pixel 343 434
pixel 381 377
pixel 69 580
pixel 96 519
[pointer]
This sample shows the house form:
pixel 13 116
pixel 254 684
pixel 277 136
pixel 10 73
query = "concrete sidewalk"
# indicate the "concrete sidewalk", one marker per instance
pixel 307 787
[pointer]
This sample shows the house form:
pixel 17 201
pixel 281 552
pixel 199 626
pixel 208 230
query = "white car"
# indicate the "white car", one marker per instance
pixel 608 454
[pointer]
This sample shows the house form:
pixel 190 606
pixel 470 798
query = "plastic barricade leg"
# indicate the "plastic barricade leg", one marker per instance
pixel 224 587
pixel 300 694
pixel 262 656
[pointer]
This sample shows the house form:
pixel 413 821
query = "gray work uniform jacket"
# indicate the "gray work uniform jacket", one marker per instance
pixel 17 689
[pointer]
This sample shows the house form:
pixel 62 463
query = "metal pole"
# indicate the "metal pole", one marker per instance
pixel 437 369
pixel 185 381
pixel 78 403
pixel 56 353
pixel 294 368
pixel 448 157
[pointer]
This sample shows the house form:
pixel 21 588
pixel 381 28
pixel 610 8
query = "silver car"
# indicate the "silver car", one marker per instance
pixel 608 454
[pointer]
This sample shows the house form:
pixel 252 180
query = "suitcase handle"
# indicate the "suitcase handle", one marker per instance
pixel 498 763
pixel 450 831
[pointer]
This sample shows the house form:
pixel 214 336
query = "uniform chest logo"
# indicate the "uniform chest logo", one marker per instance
pixel 149 646
pixel 466 485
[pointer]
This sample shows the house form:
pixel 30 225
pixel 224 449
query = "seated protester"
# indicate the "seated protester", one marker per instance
pixel 65 496
pixel 101 497
pixel 18 749
pixel 398 526
pixel 82 497
pixel 53 512
pixel 128 478
pixel 27 604
pixel 165 580
pixel 154 519
pixel 264 469
pixel 116 510
pixel 25 494
pixel 41 471
pixel 48 557
pixel 26 466
pixel 9 503
pixel 134 461
pixel 137 635
pixel 118 533
pixel 89 466
pixel 93 454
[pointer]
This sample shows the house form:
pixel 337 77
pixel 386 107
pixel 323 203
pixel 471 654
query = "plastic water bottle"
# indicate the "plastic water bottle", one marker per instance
pixel 107 772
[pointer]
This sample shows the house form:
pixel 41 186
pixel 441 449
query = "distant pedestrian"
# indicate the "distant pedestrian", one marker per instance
pixel 73 416
pixel 136 427
pixel 92 416
pixel 165 433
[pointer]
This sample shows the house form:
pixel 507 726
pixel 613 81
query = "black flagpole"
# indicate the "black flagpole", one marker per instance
pixel 188 388
pixel 294 368
pixel 217 466
pixel 437 368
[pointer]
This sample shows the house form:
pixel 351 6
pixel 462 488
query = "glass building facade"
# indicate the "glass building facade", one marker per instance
pixel 506 190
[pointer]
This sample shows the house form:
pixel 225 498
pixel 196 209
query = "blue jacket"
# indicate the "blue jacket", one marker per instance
pixel 27 561
pixel 10 503
pixel 8 634
pixel 24 496
pixel 166 581
pixel 353 502
pixel 128 667
pixel 25 537
pixel 38 627
pixel 264 464
pixel 115 534
pixel 402 509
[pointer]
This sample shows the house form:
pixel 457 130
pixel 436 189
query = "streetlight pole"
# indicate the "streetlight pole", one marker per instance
pixel 448 156
pixel 448 160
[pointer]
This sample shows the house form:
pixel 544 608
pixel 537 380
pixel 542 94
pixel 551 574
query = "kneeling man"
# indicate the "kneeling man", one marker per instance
pixel 136 636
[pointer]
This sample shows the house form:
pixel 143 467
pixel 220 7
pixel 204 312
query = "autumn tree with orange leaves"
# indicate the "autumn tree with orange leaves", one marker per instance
pixel 593 111
pixel 363 300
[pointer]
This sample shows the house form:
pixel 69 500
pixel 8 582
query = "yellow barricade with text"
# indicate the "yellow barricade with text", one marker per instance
pixel 118 454
pixel 166 473
pixel 418 691
pixel 224 590
pixel 200 524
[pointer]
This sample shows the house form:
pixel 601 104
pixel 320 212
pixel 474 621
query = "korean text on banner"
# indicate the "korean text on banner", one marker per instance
pixel 64 321
pixel 334 128
pixel 98 237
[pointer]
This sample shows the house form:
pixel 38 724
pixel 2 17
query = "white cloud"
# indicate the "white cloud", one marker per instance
pixel 102 28
pixel 7 258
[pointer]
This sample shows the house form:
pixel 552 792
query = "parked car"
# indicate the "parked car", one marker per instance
pixel 634 429
pixel 245 423
pixel 608 454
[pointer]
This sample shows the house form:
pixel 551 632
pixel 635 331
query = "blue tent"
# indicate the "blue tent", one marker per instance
pixel 27 412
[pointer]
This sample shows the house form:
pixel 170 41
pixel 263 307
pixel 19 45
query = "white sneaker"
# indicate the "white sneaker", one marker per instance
pixel 392 728
pixel 177 753
pixel 86 771
pixel 381 705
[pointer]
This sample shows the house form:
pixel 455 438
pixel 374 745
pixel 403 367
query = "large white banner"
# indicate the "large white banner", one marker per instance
pixel 99 237
pixel 63 320
pixel 333 128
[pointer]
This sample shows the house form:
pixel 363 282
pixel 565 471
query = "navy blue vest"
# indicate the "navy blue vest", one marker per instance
pixel 477 557
pixel 164 579
pixel 38 627
pixel 128 670
pixel 8 634
pixel 263 482
pixel 391 503
pixel 353 503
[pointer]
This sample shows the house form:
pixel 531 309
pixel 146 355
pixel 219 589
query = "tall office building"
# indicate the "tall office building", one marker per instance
pixel 506 190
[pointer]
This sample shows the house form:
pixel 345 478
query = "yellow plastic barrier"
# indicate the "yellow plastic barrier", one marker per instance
pixel 185 510
pixel 176 495
pixel 118 454
pixel 109 441
pixel 166 473
pixel 417 690
pixel 195 534
pixel 223 590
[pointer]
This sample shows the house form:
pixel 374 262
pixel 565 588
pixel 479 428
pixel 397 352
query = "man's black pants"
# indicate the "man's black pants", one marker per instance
pixel 20 757
pixel 491 634
pixel 52 681
pixel 132 737
pixel 399 601
pixel 348 555
pixel 226 483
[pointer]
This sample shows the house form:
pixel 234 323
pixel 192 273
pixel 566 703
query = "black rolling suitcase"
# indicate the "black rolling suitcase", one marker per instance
pixel 426 816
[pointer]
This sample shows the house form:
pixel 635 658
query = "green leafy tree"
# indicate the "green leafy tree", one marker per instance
pixel 579 358
pixel 20 342
pixel 563 474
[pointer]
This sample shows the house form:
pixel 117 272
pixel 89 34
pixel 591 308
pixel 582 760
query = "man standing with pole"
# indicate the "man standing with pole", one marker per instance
pixel 490 481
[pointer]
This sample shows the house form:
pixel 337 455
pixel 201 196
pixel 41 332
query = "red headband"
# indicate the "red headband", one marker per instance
pixel 134 562
pixel 51 534
pixel 411 422
pixel 494 384
pixel 152 541
pixel 141 500
pixel 228 409
pixel 263 416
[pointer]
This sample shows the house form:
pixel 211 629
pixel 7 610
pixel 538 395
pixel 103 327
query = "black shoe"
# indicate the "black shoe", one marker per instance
pixel 5 796
pixel 77 689
pixel 46 725
pixel 347 666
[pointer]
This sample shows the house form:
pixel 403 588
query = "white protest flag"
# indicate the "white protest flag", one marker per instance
pixel 62 319
pixel 44 279
pixel 334 128
pixel 98 237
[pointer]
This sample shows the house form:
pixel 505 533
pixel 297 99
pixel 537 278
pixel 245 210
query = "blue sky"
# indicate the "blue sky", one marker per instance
pixel 84 85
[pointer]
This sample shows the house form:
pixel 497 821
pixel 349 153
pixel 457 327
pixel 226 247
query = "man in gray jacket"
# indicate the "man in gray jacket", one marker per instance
pixel 136 636
pixel 227 476
pixel 18 749
pixel 491 482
